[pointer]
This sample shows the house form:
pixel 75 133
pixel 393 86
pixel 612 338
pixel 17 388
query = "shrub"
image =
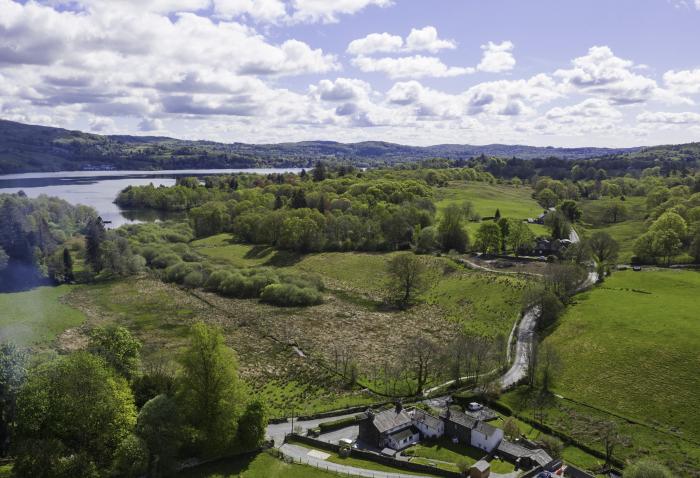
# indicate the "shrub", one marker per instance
pixel 290 295
pixel 163 260
pixel 215 279
pixel 193 279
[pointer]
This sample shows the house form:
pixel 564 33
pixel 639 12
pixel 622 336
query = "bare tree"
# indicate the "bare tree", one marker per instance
pixel 423 353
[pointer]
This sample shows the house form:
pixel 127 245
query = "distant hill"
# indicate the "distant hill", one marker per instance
pixel 29 148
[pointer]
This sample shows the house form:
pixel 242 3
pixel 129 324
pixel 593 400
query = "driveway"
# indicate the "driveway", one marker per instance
pixel 277 431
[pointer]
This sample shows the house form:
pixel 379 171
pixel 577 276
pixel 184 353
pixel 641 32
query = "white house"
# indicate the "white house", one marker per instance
pixel 486 437
pixel 428 425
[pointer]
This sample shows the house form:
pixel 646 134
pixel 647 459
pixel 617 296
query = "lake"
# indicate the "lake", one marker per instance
pixel 99 189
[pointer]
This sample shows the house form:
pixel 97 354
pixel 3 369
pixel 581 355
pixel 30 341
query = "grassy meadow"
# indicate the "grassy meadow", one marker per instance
pixel 262 465
pixel 630 347
pixel 35 318
pixel 513 202
pixel 625 232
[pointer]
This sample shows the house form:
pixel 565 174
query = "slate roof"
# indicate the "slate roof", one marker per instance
pixel 482 465
pixel 389 419
pixel 537 455
pixel 485 429
pixel 460 418
pixel 422 416
pixel 405 433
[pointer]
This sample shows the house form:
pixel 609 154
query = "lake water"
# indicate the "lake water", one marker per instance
pixel 99 189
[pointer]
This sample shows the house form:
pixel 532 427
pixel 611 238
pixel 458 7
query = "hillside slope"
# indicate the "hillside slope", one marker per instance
pixel 29 148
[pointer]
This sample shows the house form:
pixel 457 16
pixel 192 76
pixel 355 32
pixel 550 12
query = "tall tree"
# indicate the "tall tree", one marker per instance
pixel 94 237
pixel 67 265
pixel 571 210
pixel 71 416
pixel 406 278
pixel 158 424
pixel 12 376
pixel 604 248
pixel 451 230
pixel 210 395
pixel 320 171
pixel 488 238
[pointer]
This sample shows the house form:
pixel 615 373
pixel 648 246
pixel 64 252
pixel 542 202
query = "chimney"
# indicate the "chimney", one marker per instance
pixel 399 406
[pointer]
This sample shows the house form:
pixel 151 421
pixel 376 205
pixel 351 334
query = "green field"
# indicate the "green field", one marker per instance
pixel 262 465
pixel 625 232
pixel 630 347
pixel 36 317
pixel 516 203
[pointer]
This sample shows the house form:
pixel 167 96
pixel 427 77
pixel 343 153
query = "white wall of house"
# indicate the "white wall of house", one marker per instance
pixel 430 432
pixel 486 443
pixel 406 442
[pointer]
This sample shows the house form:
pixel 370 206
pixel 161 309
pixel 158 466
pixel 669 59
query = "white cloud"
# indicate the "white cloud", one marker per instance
pixel 342 89
pixel 419 39
pixel 684 81
pixel 150 124
pixel 259 10
pixel 498 57
pixel 590 108
pixel 417 66
pixel 683 118
pixel 601 73
pixel 426 39
pixel 329 11
pixel 375 43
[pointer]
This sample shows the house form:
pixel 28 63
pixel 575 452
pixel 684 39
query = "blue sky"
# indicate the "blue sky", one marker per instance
pixel 539 72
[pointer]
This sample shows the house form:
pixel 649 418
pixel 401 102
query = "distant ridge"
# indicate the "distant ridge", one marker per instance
pixel 31 148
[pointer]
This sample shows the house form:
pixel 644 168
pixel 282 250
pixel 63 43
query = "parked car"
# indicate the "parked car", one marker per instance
pixel 475 407
pixel 636 268
pixel 345 441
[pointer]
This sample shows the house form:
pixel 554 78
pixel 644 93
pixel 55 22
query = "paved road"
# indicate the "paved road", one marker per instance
pixel 525 336
pixel 277 431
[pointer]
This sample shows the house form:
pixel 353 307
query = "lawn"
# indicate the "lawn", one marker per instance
pixel 512 202
pixel 38 316
pixel 445 450
pixel 221 248
pixel 262 465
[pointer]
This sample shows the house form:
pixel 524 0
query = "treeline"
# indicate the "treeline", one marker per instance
pixel 328 209
pixel 33 238
pixel 100 413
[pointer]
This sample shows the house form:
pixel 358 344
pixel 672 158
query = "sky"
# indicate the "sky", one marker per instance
pixel 567 73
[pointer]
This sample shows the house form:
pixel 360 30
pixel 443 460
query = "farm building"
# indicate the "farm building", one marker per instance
pixel 524 457
pixel 468 430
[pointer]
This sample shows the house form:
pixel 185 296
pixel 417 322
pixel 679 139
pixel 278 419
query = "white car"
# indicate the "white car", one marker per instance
pixel 345 441
pixel 475 407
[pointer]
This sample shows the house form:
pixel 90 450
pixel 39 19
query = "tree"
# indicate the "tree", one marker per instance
pixel 94 236
pixel 558 225
pixel 72 414
pixel 646 468
pixel 159 426
pixel 511 428
pixel 4 258
pixel 67 265
pixel 604 249
pixel 666 244
pixel 12 376
pixel 320 171
pixel 451 232
pixel 209 219
pixel 547 198
pixel 549 365
pixel 209 393
pixel 488 238
pixel 571 210
pixel 497 216
pixel 695 247
pixel 614 212
pixel 421 356
pixel 130 458
pixel 553 446
pixel 118 348
pixel 608 434
pixel 427 240
pixel 252 425
pixel 406 278
pixel 520 237
pixel 563 280
pixel 117 258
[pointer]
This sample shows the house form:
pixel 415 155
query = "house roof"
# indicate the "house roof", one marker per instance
pixel 485 429
pixel 460 418
pixel 422 416
pixel 405 433
pixel 538 455
pixel 390 419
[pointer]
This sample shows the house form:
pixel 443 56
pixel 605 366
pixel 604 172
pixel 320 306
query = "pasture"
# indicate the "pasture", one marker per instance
pixel 35 318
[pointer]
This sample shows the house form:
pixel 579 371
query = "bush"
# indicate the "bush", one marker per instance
pixel 163 260
pixel 215 279
pixel 193 280
pixel 290 295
